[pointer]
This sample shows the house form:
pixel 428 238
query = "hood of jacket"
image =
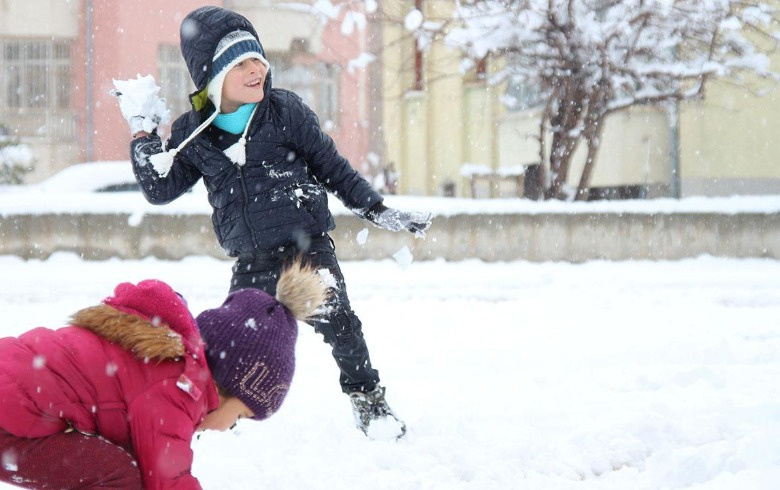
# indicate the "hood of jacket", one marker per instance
pixel 200 33
pixel 133 333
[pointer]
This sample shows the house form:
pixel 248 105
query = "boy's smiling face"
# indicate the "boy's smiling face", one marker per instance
pixel 243 85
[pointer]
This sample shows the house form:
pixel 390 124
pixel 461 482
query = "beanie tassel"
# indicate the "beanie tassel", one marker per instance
pixel 162 162
pixel 237 151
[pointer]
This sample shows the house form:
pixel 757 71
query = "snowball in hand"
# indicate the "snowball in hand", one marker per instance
pixel 138 98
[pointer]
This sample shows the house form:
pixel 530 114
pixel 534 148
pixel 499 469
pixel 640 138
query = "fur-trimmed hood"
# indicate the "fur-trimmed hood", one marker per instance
pixel 131 369
pixel 138 335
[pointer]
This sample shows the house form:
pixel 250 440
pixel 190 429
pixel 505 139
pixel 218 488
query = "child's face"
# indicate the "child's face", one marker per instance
pixel 229 411
pixel 243 85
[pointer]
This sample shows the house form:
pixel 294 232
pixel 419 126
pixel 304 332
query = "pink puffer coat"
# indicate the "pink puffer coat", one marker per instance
pixel 131 370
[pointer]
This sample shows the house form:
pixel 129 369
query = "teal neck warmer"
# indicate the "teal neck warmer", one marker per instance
pixel 235 122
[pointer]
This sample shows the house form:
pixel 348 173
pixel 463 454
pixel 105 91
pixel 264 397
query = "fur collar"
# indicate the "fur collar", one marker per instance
pixel 136 334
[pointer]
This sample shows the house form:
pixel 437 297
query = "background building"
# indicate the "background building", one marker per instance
pixel 58 59
pixel 411 115
pixel 438 120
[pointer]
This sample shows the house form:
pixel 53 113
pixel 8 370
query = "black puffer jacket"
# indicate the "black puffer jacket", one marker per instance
pixel 280 194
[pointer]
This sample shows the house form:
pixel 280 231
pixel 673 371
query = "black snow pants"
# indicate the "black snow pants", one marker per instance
pixel 339 325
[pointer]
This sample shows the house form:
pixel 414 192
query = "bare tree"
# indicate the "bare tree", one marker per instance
pixel 590 58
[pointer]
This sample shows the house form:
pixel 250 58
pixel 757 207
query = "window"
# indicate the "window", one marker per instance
pixel 174 79
pixel 35 85
pixel 328 94
pixel 520 95
pixel 317 83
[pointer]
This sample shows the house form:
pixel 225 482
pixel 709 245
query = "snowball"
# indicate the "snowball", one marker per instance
pixel 139 98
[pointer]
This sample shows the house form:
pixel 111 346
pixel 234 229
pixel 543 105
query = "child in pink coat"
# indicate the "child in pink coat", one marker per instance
pixel 113 400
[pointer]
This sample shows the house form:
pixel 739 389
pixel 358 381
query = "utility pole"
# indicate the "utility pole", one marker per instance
pixel 89 123
pixel 674 149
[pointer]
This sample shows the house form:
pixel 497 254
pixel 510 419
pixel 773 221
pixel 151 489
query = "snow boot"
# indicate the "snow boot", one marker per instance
pixel 374 417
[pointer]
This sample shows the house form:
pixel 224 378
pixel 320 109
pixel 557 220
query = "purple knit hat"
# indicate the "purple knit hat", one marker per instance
pixel 250 348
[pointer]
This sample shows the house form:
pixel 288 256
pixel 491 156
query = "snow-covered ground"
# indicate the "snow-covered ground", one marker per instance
pixel 630 375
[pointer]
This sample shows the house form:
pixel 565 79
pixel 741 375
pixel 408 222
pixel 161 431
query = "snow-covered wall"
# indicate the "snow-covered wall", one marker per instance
pixel 491 236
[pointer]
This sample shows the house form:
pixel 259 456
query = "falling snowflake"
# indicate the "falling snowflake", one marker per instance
pixel 362 236
pixel 39 362
pixel 111 368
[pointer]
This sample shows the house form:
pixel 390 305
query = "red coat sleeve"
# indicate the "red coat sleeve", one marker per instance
pixel 162 423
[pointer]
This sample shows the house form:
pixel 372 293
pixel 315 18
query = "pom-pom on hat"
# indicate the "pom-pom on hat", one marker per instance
pixel 250 339
pixel 233 48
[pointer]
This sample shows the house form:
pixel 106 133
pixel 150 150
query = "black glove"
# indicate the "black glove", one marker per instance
pixel 394 220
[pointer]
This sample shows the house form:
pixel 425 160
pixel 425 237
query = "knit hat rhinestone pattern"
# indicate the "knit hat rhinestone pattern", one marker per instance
pixel 250 349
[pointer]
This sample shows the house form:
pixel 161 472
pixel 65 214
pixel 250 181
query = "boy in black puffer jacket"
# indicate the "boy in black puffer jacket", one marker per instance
pixel 267 166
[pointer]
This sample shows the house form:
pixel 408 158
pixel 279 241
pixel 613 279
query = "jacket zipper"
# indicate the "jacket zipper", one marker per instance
pixel 245 208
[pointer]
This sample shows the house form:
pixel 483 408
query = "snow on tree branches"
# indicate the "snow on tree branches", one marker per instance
pixel 589 58
pixel 16 159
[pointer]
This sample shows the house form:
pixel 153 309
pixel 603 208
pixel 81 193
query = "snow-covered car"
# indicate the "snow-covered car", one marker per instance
pixel 103 176
pixel 106 176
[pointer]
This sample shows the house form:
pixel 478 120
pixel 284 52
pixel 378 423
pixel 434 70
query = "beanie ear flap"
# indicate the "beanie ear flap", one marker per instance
pixel 200 99
pixel 214 88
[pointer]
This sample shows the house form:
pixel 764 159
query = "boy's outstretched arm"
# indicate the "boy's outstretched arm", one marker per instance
pixel 340 178
pixel 395 220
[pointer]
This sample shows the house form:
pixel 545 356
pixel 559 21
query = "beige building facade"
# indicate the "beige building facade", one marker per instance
pixel 412 110
pixel 438 121
pixel 58 59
